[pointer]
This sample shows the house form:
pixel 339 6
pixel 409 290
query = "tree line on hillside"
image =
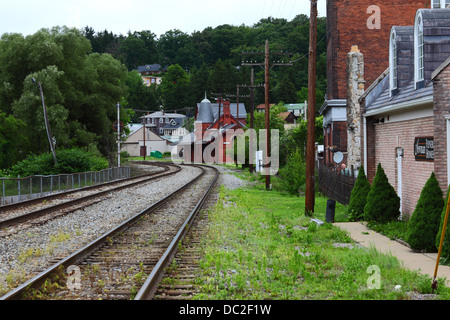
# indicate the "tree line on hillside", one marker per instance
pixel 85 73
pixel 210 60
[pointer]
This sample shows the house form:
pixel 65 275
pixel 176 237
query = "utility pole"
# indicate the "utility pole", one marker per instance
pixel 310 142
pixel 252 88
pixel 47 124
pixel 267 66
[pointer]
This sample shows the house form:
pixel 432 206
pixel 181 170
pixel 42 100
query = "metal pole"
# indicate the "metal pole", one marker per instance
pixel 267 99
pixel 444 226
pixel 118 134
pixel 309 196
pixel 47 126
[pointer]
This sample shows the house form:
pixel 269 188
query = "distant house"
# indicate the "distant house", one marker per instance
pixel 136 145
pixel 159 121
pixel 290 120
pixel 297 108
pixel 149 69
pixel 149 80
pixel 262 107
pixel 174 130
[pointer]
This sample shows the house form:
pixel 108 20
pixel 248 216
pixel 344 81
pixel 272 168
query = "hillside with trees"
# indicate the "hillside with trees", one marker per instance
pixel 84 73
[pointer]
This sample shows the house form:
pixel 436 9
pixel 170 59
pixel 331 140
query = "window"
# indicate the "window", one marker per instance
pixel 161 120
pixel 440 4
pixel 419 66
pixel 393 62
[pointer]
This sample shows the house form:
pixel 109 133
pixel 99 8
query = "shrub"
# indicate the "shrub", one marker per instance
pixel 383 203
pixel 423 225
pixel 69 161
pixel 293 174
pixel 358 196
pixel 445 254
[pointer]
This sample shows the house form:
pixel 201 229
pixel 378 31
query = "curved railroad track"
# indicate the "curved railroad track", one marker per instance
pixel 53 206
pixel 129 260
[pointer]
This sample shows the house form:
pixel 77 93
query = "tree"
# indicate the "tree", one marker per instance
pixel 81 89
pixel 12 140
pixel 358 196
pixel 424 223
pixel 174 88
pixel 383 203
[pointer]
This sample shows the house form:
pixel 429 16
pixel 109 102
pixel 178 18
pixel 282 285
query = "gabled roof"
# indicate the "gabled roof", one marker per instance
pixel 149 68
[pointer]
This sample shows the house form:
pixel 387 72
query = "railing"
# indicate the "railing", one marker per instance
pixel 15 190
pixel 336 185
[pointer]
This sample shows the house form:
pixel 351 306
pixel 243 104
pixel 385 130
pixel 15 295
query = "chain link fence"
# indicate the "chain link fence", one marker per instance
pixel 20 189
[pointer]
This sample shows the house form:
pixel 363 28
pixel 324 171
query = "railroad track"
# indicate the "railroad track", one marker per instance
pixel 59 204
pixel 130 260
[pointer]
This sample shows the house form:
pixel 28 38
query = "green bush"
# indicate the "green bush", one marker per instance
pixel 293 174
pixel 446 245
pixel 383 203
pixel 358 196
pixel 69 161
pixel 424 223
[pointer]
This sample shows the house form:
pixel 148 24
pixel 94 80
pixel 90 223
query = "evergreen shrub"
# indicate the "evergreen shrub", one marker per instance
pixel 383 203
pixel 358 196
pixel 423 225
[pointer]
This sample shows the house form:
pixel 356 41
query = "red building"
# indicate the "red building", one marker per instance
pixel 214 126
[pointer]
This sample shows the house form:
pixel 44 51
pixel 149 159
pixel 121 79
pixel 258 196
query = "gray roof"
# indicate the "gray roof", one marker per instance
pixel 177 122
pixel 436 31
pixel 233 110
pixel 436 38
pixel 149 68
pixel 204 113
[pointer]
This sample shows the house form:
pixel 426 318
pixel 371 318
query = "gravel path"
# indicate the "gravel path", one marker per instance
pixel 25 253
pixel 229 179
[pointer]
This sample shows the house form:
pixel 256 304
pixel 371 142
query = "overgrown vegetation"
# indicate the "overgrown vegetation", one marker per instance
pixel 260 245
pixel 68 161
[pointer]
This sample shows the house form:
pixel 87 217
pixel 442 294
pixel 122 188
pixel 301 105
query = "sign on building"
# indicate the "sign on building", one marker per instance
pixel 424 149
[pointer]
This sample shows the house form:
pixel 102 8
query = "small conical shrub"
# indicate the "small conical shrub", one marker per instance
pixel 424 223
pixel 383 203
pixel 358 196
pixel 445 254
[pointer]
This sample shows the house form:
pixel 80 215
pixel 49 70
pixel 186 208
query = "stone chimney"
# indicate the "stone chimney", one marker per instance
pixel 355 89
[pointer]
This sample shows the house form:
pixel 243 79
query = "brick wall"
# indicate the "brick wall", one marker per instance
pixel 389 136
pixel 348 25
pixel 441 95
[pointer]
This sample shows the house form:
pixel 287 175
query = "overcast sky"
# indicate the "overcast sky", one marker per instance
pixel 158 16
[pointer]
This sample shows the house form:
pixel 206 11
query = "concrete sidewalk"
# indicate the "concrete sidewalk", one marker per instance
pixel 424 262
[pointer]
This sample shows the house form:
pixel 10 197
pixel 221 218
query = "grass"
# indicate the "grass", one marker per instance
pixel 260 245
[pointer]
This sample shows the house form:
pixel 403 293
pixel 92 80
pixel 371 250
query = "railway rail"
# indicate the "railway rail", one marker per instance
pixel 129 260
pixel 63 203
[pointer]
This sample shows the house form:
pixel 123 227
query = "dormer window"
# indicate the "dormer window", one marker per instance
pixel 440 4
pixel 419 67
pixel 393 63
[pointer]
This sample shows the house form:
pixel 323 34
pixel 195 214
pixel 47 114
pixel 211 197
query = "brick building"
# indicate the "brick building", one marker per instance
pixel 213 123
pixel 366 24
pixel 406 115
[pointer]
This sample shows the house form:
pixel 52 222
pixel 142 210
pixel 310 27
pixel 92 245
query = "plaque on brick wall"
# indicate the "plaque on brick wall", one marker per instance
pixel 424 149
